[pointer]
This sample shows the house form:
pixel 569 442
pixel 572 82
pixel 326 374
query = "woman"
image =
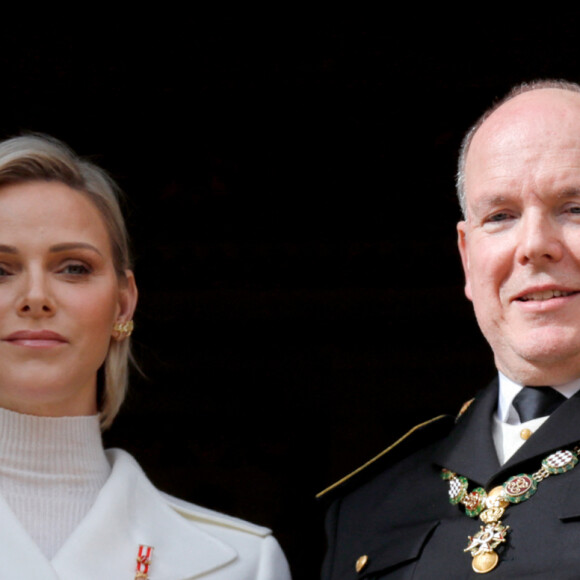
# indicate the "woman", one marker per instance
pixel 70 510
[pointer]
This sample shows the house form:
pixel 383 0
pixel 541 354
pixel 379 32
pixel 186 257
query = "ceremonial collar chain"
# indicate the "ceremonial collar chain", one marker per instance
pixel 491 506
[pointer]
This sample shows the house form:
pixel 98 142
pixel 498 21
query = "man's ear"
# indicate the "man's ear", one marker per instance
pixel 462 244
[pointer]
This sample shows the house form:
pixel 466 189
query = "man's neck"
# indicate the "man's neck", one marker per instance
pixel 508 389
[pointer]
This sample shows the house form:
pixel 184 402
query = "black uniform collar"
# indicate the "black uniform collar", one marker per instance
pixel 469 449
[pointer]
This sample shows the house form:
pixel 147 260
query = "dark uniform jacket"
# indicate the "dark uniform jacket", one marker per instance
pixel 397 513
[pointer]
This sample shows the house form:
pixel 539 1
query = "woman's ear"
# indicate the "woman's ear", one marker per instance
pixel 128 295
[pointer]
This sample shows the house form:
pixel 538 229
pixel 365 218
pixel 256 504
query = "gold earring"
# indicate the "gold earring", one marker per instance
pixel 122 330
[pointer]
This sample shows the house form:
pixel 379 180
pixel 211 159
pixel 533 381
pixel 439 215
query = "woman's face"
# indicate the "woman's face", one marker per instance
pixel 59 299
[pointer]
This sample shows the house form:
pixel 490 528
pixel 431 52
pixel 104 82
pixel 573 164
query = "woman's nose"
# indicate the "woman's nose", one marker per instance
pixel 35 299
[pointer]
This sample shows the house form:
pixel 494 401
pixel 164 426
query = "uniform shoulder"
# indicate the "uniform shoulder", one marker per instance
pixel 257 549
pixel 202 515
pixel 414 439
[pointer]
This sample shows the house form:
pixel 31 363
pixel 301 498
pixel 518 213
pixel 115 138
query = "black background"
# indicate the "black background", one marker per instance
pixel 290 193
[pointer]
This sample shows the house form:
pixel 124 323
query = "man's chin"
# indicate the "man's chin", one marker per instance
pixel 552 364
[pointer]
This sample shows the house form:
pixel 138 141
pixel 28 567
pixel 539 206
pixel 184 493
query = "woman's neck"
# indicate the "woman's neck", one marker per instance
pixel 51 470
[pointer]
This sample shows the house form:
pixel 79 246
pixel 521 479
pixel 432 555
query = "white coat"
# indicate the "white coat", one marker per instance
pixel 188 541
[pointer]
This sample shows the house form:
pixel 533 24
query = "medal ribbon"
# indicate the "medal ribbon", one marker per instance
pixel 143 562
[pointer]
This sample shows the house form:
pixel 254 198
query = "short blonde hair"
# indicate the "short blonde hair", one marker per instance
pixel 42 158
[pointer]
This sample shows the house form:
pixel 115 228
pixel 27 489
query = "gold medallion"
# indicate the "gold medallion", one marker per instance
pixel 486 541
pixel 491 515
pixel 520 488
pixel 485 562
pixel 496 498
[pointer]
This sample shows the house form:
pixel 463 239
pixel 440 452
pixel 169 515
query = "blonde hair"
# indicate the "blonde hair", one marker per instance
pixel 43 158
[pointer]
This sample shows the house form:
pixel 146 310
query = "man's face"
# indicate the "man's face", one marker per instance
pixel 520 243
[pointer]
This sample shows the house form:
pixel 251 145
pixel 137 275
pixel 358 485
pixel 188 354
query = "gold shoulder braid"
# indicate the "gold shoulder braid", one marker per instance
pixel 491 506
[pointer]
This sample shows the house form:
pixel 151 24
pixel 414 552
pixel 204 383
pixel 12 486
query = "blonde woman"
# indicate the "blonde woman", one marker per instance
pixel 69 509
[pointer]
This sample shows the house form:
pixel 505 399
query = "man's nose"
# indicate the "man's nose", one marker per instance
pixel 539 240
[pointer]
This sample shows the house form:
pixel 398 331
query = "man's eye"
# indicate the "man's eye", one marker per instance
pixel 574 209
pixel 499 217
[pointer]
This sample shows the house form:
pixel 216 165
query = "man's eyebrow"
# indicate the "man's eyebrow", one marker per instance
pixel 489 202
pixel 485 202
pixel 64 247
pixel 5 249
pixel 569 193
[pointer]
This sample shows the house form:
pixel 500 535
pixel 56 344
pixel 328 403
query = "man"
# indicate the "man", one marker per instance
pixel 402 516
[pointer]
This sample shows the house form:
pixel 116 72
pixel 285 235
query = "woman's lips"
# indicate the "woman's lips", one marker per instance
pixel 36 338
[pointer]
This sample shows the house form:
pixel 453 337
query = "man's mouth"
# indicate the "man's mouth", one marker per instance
pixel 545 295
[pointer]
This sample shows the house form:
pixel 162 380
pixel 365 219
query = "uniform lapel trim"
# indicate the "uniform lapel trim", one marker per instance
pixel 469 449
pixel 129 511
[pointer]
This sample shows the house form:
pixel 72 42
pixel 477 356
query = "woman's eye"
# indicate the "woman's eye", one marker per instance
pixel 75 270
pixel 4 271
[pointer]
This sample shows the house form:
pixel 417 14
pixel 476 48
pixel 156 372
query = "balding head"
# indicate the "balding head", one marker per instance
pixel 517 91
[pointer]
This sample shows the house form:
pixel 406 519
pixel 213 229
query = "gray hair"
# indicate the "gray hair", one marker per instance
pixel 43 158
pixel 514 92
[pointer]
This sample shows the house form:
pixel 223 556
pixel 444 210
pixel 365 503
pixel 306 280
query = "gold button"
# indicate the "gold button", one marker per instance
pixel 361 563
pixel 525 434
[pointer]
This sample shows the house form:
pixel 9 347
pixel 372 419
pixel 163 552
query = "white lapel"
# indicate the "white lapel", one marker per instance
pixel 129 511
pixel 20 557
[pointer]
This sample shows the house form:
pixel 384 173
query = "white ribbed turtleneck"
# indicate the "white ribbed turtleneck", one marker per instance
pixel 51 471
